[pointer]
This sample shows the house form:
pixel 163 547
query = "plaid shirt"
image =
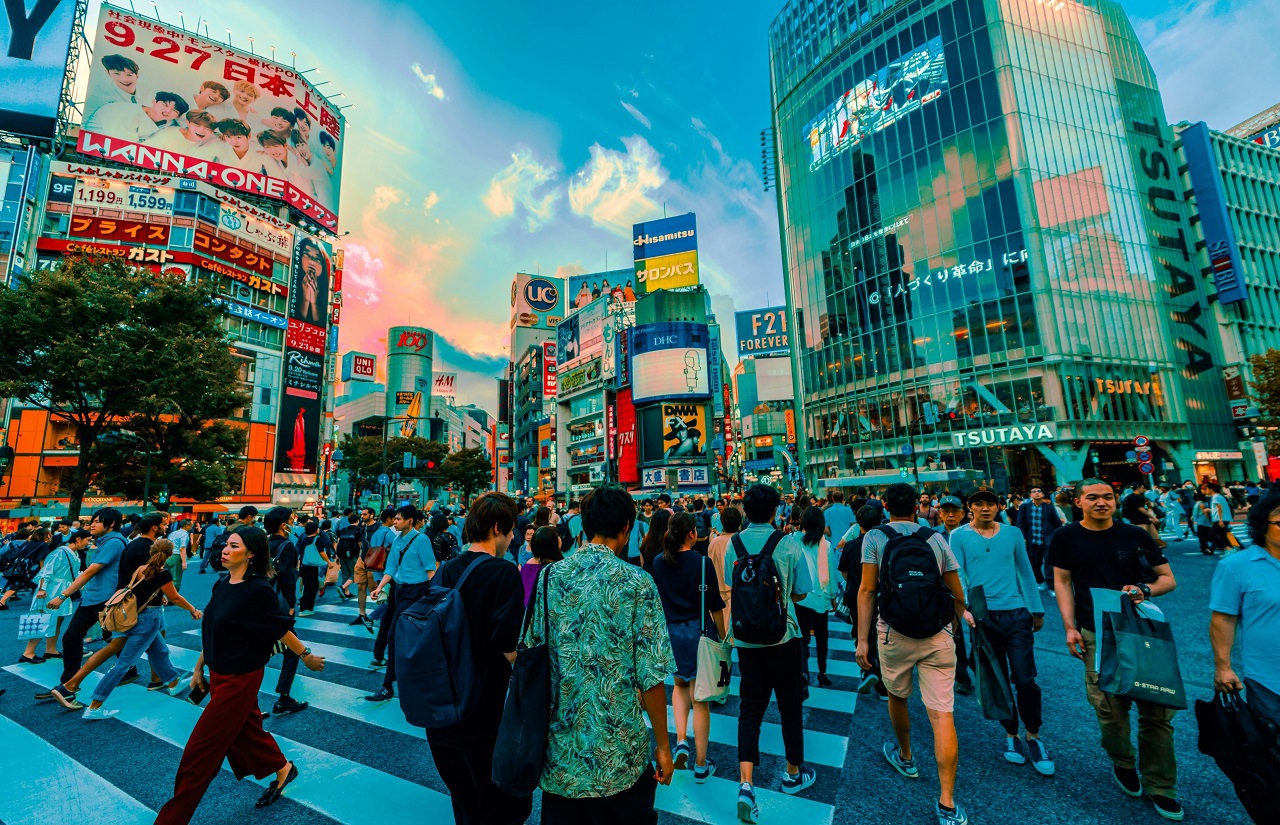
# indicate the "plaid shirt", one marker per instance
pixel 1037 524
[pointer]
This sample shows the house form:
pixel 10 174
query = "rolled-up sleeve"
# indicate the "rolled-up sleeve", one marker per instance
pixel 654 661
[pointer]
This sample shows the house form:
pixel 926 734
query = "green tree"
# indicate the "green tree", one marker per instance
pixel 193 459
pixel 362 457
pixel 468 470
pixel 1266 393
pixel 101 344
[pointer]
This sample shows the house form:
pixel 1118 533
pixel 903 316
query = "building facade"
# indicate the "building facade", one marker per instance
pixel 988 255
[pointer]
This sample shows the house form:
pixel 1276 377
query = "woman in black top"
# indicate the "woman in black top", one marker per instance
pixel 243 621
pixel 652 544
pixel 689 591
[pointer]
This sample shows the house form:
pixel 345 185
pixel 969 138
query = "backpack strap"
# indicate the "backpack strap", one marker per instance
pixel 739 549
pixel 771 543
pixel 467 572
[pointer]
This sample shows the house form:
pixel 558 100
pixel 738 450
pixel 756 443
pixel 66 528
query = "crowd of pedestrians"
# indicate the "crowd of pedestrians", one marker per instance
pixel 628 599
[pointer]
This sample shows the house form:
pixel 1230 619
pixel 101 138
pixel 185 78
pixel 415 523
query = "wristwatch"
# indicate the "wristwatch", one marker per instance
pixel 306 651
pixel 1146 590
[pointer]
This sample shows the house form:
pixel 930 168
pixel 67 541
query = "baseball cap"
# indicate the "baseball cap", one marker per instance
pixel 951 501
pixel 984 495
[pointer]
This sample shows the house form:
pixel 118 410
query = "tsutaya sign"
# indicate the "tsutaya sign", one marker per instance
pixel 1000 436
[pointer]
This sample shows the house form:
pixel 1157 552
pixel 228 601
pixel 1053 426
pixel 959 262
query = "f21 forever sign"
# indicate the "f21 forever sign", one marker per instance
pixel 34 38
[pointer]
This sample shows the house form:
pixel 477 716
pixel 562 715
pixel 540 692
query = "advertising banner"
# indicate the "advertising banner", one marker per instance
pixel 713 369
pixel 445 384
pixel 578 378
pixel 665 253
pixel 667 272
pixel 616 284
pixel 656 477
pixel 568 337
pixel 773 379
pixel 879 101
pixel 762 331
pixel 311 274
pixel 673 432
pixel 669 360
pixel 536 302
pixel 114 194
pixel 33 61
pixel 119 230
pixel 628 455
pixel 256 315
pixel 250 225
pixel 359 366
pixel 298 433
pixel 549 369
pixel 581 335
pixel 1211 201
pixel 164 99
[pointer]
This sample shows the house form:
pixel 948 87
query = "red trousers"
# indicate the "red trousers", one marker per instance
pixel 230 728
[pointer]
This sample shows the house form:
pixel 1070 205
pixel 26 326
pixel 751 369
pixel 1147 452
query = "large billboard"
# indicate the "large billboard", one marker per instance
pixel 665 253
pixel 581 335
pixel 618 284
pixel 673 432
pixel 669 360
pixel 879 101
pixel 773 379
pixel 536 301
pixel 34 39
pixel 1211 202
pixel 173 101
pixel 626 449
pixel 305 344
pixel 359 366
pixel 762 331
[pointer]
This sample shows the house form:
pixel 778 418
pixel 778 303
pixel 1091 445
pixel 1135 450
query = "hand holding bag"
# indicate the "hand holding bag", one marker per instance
pixel 1138 659
pixel 715 659
pixel 521 748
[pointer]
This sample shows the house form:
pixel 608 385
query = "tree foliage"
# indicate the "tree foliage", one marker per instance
pixel 362 456
pixel 469 470
pixel 1266 391
pixel 104 346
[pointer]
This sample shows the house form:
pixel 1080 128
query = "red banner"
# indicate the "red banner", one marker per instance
pixel 230 252
pixel 628 456
pixel 306 337
pixel 141 255
pixel 113 229
pixel 549 369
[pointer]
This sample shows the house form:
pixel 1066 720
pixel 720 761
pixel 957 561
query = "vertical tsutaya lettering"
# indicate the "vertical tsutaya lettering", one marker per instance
pixel 23 41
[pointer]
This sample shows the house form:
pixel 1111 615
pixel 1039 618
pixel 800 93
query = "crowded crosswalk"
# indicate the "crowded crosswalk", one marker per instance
pixel 96 797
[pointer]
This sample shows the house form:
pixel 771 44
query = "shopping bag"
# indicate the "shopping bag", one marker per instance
pixel 1138 659
pixel 993 691
pixel 331 574
pixel 34 625
pixel 521 747
pixel 1244 746
pixel 1108 601
pixel 715 668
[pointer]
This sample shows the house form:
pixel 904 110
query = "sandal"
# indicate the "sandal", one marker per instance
pixel 274 791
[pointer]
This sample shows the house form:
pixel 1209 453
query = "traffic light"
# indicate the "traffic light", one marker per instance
pixel 162 498
pixel 431 464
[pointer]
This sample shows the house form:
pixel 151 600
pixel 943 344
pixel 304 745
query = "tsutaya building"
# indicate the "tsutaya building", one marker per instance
pixel 988 254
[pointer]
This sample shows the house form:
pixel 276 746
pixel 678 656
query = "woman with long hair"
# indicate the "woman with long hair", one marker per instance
pixel 652 544
pixel 148 582
pixel 718 548
pixel 692 605
pixel 243 622
pixel 544 545
pixel 812 611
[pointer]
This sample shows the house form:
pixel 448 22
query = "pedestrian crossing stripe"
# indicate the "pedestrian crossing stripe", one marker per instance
pixel 40 784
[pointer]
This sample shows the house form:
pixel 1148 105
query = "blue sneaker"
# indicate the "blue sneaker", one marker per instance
pixel 701 773
pixel 1040 757
pixel 906 767
pixel 1013 751
pixel 796 783
pixel 680 755
pixel 748 810
pixel 955 817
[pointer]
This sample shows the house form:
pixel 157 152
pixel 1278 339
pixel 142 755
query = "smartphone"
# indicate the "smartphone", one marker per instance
pixel 197 694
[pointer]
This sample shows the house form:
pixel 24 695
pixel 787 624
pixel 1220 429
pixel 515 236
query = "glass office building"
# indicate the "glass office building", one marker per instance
pixel 983 223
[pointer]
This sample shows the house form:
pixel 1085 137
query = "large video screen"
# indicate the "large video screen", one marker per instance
pixel 34 38
pixel 879 101
pixel 171 101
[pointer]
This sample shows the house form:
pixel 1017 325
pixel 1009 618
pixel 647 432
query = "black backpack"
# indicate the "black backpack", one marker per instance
pixel 1244 744
pixel 702 525
pixel 444 546
pixel 759 607
pixel 349 543
pixel 912 597
pixel 10 553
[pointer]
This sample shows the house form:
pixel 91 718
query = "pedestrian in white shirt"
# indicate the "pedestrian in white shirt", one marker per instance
pixel 177 563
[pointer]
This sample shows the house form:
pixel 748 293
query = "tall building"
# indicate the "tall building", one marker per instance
pixel 537 305
pixel 983 226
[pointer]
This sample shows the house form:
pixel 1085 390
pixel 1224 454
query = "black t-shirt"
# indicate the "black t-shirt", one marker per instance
pixel 851 560
pixel 242 623
pixel 679 583
pixel 494 600
pixel 1107 559
pixel 146 588
pixel 134 555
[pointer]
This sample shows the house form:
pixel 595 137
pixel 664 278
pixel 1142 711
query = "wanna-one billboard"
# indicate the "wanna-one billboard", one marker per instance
pixel 174 102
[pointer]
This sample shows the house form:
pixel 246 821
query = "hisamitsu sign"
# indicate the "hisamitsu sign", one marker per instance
pixel 762 331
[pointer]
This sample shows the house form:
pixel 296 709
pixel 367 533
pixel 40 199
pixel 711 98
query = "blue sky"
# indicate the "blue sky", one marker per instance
pixel 529 136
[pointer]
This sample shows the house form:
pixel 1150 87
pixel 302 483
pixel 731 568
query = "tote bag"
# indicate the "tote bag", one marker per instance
pixel 34 625
pixel 521 748
pixel 1139 660
pixel 715 659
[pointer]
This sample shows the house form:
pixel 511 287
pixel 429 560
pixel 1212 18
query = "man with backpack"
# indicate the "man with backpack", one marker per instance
pixel 208 539
pixel 701 526
pixel 909 575
pixel 410 565
pixel 247 516
pixel 469 623
pixel 379 536
pixel 284 557
pixel 350 547
pixel 767 576
pixel 570 528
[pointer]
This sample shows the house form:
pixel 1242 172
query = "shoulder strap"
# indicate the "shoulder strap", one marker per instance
pixel 771 543
pixel 467 572
pixel 405 549
pixel 739 549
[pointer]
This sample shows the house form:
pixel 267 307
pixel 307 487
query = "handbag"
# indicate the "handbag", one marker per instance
pixel 715 658
pixel 120 613
pixel 1244 745
pixel 993 690
pixel 375 560
pixel 521 747
pixel 34 625
pixel 1138 659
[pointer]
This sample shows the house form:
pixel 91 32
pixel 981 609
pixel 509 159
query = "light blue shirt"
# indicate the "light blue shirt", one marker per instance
pixel 211 534
pixel 418 560
pixel 575 526
pixel 999 565
pixel 384 536
pixel 1247 585
pixel 716 523
pixel 101 587
pixel 456 531
pixel 638 531
pixel 839 519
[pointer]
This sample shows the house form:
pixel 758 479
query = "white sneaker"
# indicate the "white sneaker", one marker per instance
pixel 96 714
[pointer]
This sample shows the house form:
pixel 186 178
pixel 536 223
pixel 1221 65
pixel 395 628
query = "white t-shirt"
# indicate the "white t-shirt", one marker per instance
pixel 123 120
pixel 181 540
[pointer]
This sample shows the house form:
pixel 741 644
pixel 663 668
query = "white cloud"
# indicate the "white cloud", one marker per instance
pixel 1194 47
pixel 385 197
pixel 429 201
pixel 612 188
pixel 636 113
pixel 518 185
pixel 360 275
pixel 429 80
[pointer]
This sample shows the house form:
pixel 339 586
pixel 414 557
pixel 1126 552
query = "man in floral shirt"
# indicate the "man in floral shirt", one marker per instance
pixel 610 657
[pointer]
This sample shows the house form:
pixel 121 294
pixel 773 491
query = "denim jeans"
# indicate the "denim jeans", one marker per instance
pixel 143 637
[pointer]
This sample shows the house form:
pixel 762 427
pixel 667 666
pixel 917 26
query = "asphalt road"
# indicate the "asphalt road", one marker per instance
pixel 363 764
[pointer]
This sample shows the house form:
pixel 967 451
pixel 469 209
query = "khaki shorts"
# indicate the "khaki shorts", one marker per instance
pixel 934 658
pixel 364 577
